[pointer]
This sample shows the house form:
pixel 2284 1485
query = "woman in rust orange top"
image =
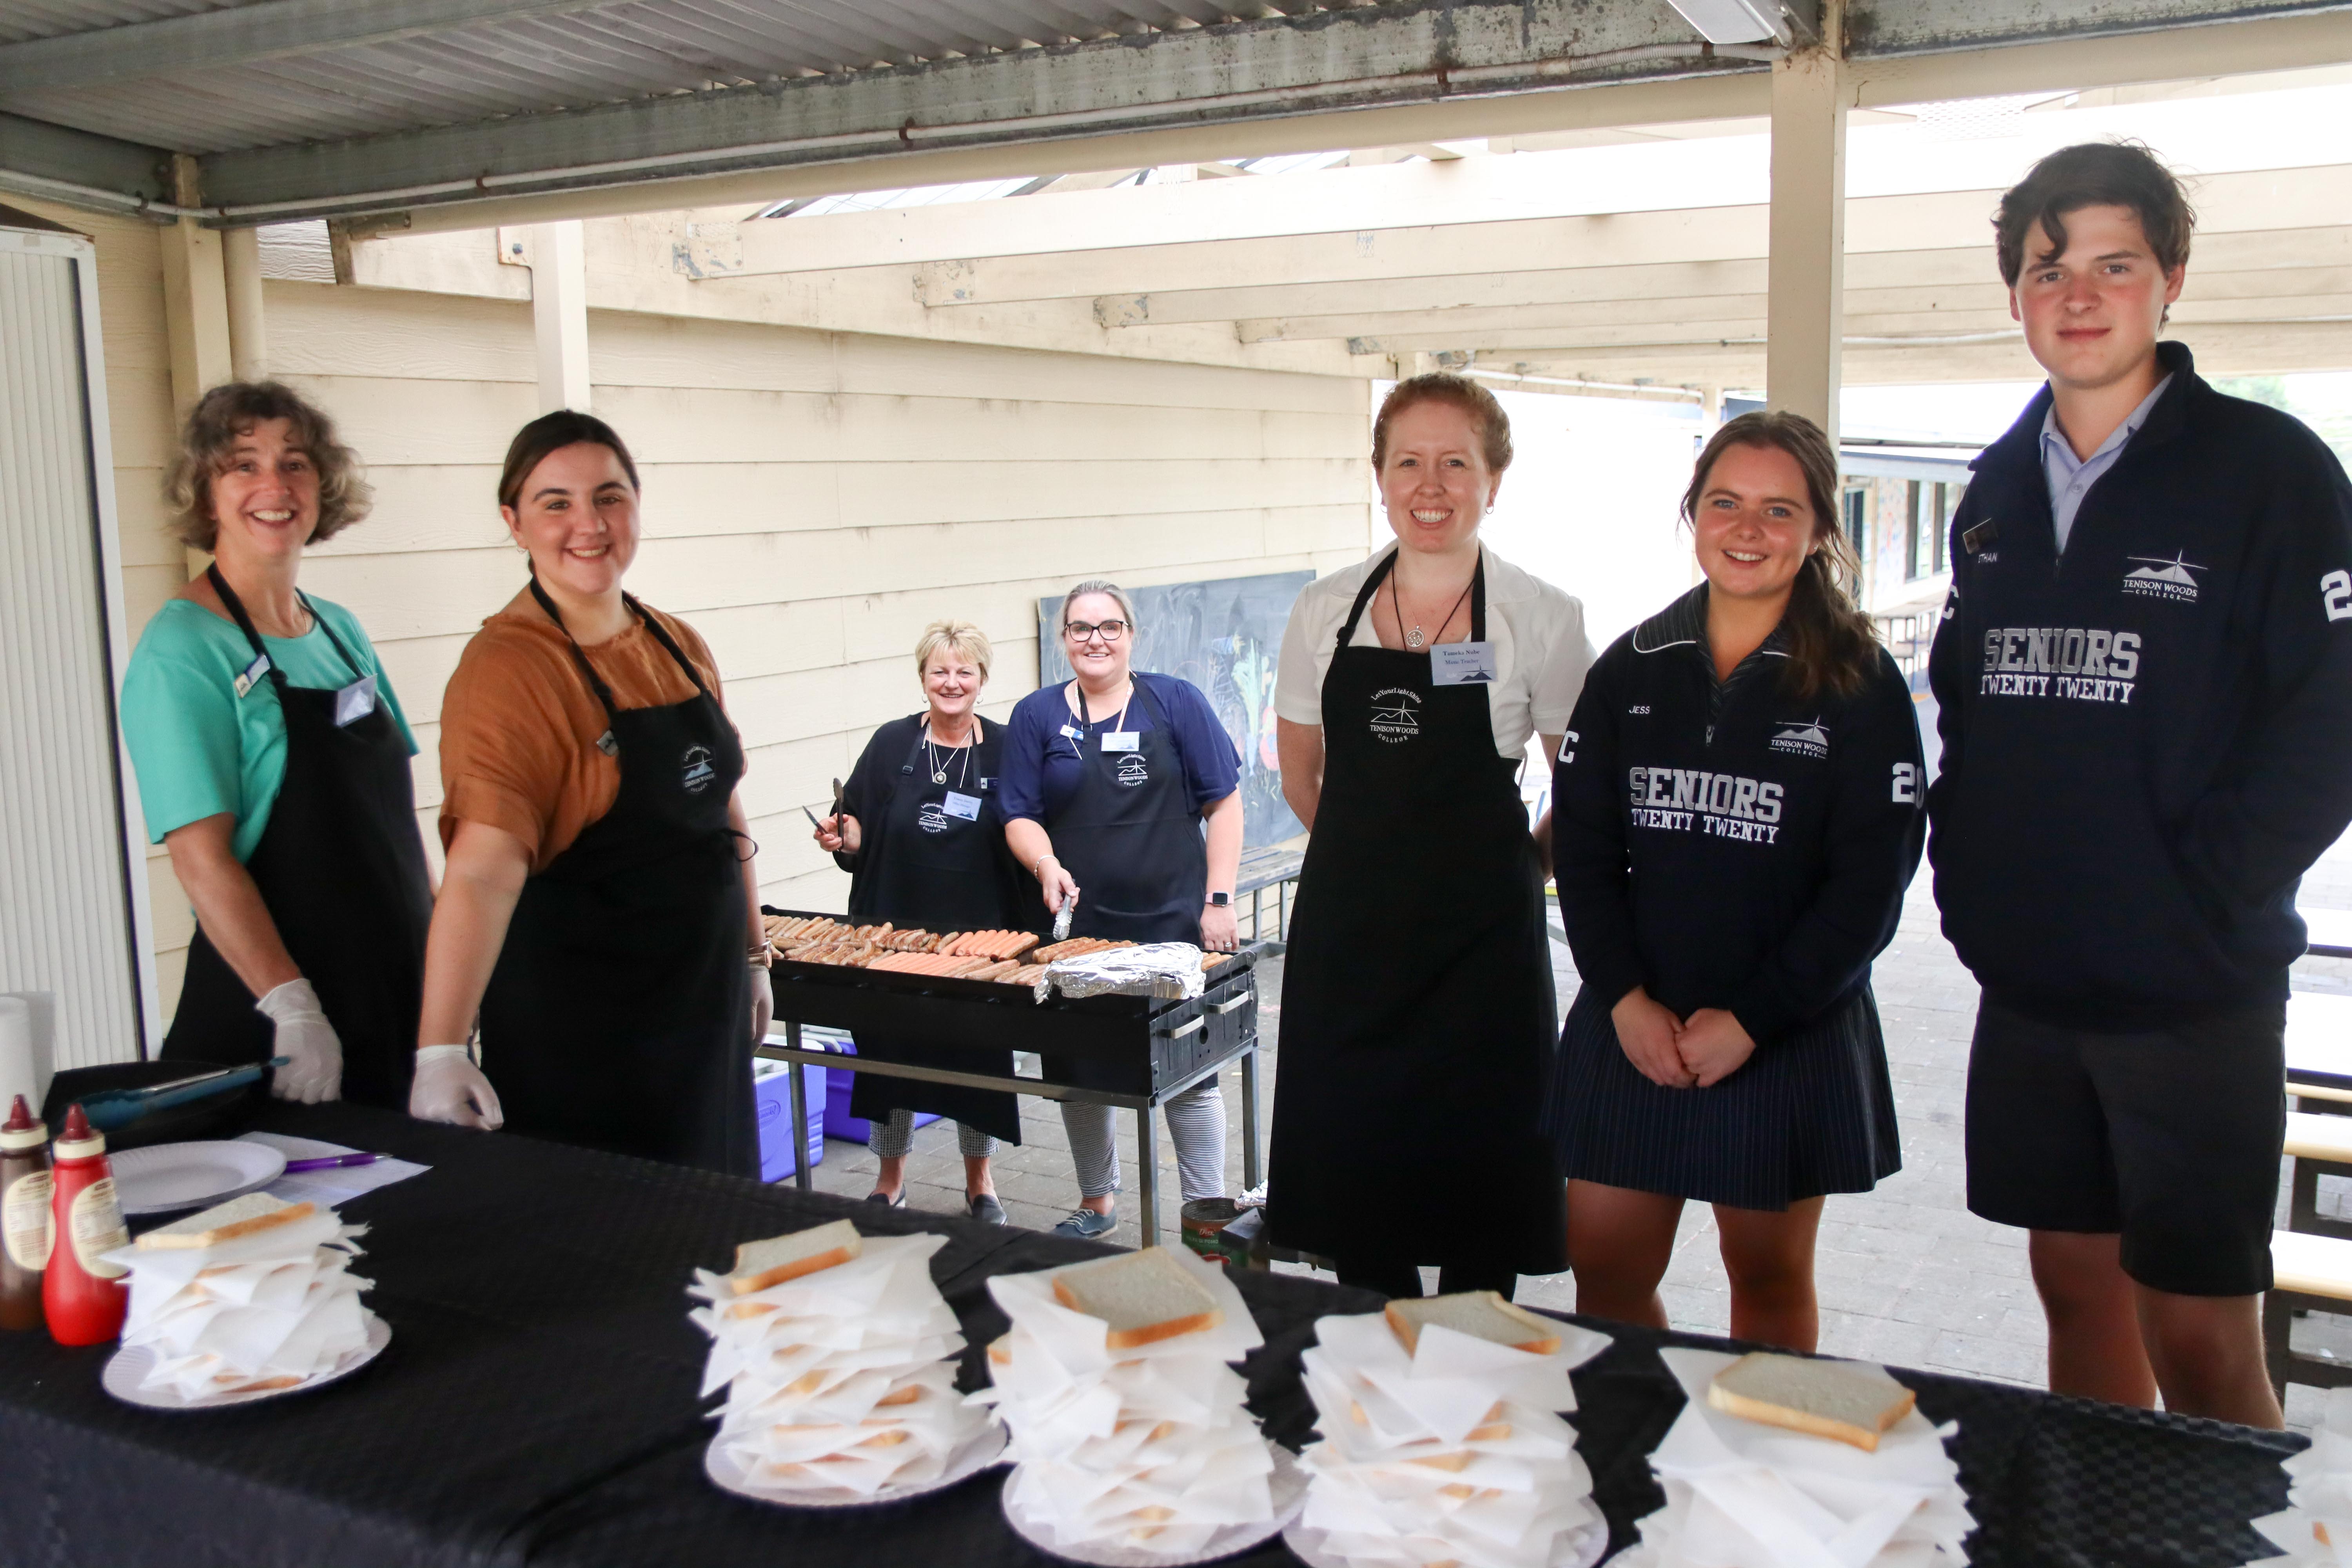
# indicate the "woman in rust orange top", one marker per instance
pixel 600 897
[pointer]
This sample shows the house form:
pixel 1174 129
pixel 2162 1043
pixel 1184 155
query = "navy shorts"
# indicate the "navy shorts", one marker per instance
pixel 2169 1137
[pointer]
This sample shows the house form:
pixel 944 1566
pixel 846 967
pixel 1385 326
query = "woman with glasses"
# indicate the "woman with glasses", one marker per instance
pixel 919 834
pixel 1417 998
pixel 1121 792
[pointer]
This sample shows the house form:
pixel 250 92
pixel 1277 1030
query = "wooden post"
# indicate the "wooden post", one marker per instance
pixel 1805 309
pixel 195 311
pixel 559 314
pixel 248 341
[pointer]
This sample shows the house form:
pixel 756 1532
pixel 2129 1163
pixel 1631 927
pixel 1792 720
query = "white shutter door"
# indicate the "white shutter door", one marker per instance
pixel 66 922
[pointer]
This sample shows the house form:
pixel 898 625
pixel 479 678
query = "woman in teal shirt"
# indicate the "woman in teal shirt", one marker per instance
pixel 272 759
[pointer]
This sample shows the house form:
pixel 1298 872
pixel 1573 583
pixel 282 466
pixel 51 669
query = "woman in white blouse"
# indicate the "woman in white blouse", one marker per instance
pixel 1417 996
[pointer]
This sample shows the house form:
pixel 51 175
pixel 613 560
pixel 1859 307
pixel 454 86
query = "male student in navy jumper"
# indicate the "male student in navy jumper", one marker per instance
pixel 2145 673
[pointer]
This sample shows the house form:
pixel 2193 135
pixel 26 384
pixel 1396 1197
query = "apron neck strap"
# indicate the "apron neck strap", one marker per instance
pixel 236 608
pixel 1378 574
pixel 595 681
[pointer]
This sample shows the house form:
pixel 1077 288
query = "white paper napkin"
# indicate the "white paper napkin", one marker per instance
pixel 2316 1527
pixel 1452 1452
pixel 276 1307
pixel 1740 1494
pixel 1150 1447
pixel 840 1379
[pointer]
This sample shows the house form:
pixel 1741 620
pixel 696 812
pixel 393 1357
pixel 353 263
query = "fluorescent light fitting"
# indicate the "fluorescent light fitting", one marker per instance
pixel 1735 21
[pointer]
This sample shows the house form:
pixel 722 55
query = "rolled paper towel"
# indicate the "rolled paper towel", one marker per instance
pixel 24 1053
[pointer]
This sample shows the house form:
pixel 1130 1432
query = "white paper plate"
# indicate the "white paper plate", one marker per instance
pixel 727 1472
pixel 1578 1548
pixel 165 1177
pixel 130 1366
pixel 1288 1485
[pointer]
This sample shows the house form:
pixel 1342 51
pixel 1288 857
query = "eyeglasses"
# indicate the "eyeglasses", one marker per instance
pixel 1079 631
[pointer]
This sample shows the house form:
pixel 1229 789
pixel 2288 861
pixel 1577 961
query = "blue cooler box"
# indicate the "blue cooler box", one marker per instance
pixel 773 1091
pixel 838 1123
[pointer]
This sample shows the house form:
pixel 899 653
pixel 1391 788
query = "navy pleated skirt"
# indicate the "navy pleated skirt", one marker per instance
pixel 1811 1112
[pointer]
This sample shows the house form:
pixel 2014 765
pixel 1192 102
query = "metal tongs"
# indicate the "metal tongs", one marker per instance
pixel 1061 917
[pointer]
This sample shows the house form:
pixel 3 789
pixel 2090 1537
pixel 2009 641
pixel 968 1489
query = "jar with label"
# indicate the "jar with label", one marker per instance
pixel 27 1225
pixel 83 1295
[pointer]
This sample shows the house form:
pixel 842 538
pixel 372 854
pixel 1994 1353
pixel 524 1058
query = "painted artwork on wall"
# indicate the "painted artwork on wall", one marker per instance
pixel 1225 637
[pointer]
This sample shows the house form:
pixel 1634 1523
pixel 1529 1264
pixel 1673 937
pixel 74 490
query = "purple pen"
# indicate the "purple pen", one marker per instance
pixel 331 1162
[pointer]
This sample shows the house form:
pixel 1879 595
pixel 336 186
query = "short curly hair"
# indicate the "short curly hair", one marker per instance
pixel 961 638
pixel 230 411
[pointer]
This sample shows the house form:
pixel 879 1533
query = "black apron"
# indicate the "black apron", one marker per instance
pixel 931 869
pixel 1130 835
pixel 1417 1008
pixel 619 1015
pixel 341 871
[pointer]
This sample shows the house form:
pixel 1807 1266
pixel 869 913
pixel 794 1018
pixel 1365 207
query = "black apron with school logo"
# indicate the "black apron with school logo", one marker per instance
pixel 934 858
pixel 1130 835
pixel 341 871
pixel 1417 1005
pixel 619 1015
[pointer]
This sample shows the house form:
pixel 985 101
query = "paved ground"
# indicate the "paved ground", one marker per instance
pixel 1907 1274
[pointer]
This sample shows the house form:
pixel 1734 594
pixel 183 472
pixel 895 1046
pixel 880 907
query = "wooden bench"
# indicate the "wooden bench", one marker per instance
pixel 2320 1146
pixel 2312 1274
pixel 2318 1042
pixel 1260 869
pixel 2330 933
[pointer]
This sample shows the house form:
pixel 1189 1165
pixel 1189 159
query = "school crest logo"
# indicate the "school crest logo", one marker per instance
pixel 1131 771
pixel 1396 714
pixel 931 817
pixel 2157 578
pixel 698 770
pixel 1803 738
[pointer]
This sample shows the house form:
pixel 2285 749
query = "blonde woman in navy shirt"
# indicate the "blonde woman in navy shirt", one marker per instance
pixel 1736 813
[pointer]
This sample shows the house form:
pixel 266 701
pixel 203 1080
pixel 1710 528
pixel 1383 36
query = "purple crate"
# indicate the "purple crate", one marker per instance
pixel 838 1123
pixel 774 1096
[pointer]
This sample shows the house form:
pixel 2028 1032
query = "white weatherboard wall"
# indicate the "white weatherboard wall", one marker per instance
pixel 68 914
pixel 812 501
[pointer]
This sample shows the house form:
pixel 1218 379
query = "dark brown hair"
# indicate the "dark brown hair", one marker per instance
pixel 552 432
pixel 1486 416
pixel 232 409
pixel 1831 644
pixel 2093 174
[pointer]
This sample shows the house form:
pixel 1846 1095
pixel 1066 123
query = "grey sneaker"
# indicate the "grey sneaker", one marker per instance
pixel 1085 1222
pixel 987 1210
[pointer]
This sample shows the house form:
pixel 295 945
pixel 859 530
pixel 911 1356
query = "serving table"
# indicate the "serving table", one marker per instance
pixel 538 1403
pixel 1137 1052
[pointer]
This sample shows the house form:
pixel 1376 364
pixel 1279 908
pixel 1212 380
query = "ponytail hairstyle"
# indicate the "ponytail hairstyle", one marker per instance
pixel 1832 643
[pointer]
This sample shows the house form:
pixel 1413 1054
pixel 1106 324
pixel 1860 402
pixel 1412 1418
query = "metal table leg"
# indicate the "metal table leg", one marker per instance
pixel 1249 1117
pixel 802 1177
pixel 1147 1153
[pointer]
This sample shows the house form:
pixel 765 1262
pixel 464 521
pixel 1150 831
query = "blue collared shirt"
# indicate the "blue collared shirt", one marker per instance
pixel 2071 478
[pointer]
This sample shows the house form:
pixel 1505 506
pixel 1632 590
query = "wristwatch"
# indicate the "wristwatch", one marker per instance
pixel 1221 900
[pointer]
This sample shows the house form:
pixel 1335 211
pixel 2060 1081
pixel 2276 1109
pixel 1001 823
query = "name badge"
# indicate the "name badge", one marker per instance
pixel 987 784
pixel 964 805
pixel 251 675
pixel 1974 539
pixel 1462 664
pixel 1122 740
pixel 355 701
pixel 1069 732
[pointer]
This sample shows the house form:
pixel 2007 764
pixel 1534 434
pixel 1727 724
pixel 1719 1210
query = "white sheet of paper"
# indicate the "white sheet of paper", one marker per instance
pixel 336 1184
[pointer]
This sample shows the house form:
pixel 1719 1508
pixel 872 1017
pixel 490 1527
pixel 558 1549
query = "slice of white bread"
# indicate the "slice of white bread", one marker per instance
pixel 1145 1297
pixel 1844 1400
pixel 1480 1314
pixel 759 1263
pixel 248 1216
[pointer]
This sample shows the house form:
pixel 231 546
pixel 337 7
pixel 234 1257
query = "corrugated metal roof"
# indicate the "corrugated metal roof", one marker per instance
pixel 602 54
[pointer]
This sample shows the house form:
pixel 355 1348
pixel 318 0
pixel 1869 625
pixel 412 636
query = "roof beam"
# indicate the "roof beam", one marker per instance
pixel 240 34
pixel 1418 52
pixel 81 168
pixel 1883 27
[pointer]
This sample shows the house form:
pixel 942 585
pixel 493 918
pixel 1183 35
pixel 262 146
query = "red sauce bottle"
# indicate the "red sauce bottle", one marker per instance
pixel 27 1222
pixel 85 1297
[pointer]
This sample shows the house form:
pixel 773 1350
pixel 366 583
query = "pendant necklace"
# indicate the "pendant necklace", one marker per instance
pixel 938 768
pixel 1412 636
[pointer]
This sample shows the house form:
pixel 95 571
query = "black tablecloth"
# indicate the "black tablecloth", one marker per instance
pixel 538 1404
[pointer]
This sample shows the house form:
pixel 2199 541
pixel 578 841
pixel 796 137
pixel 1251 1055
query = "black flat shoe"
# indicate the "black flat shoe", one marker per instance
pixel 986 1209
pixel 886 1201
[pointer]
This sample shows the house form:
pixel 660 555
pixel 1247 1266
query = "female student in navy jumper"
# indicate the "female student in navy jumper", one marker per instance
pixel 1736 813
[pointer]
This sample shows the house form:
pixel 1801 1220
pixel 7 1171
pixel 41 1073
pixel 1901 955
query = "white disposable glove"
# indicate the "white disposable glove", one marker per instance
pixel 449 1088
pixel 764 1005
pixel 315 1068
